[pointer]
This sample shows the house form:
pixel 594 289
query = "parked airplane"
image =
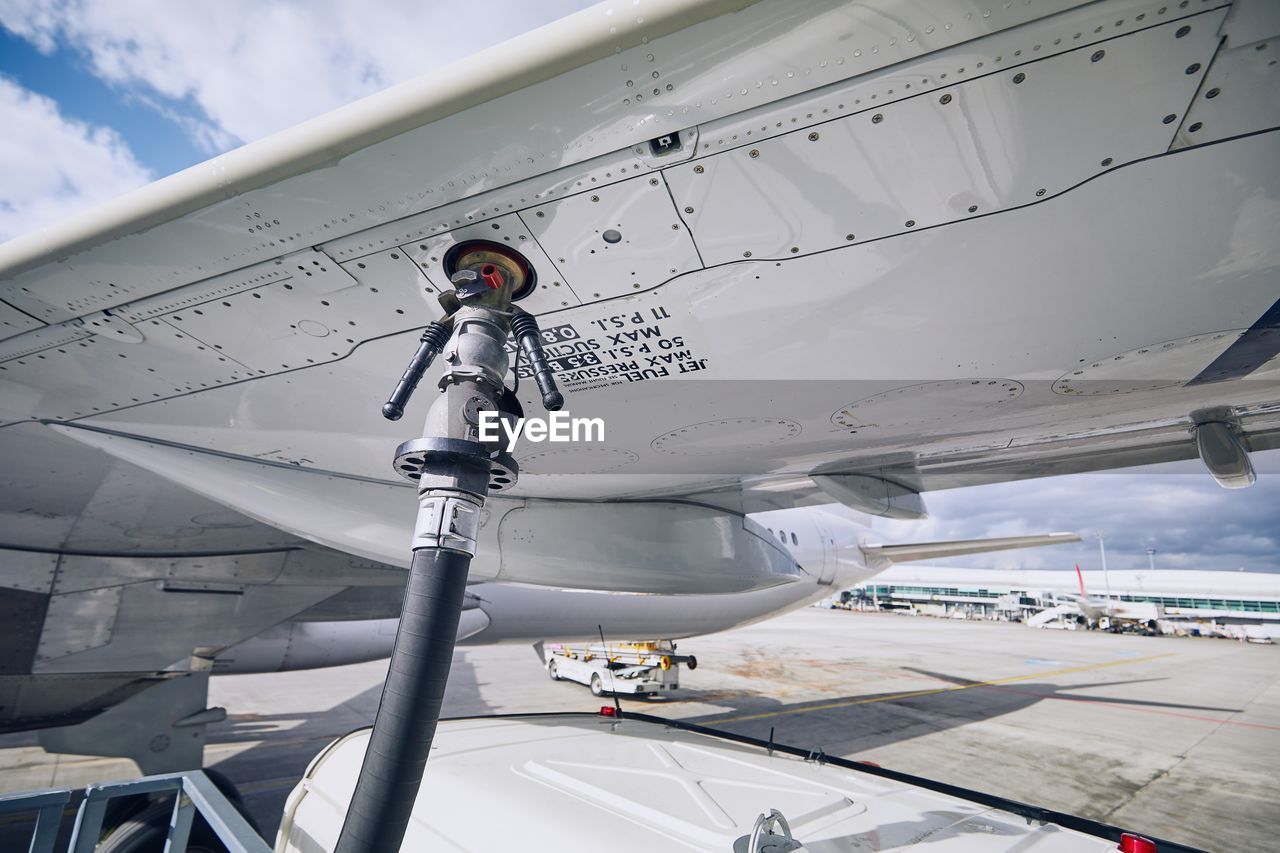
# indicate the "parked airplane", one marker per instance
pixel 796 254
pixel 1094 612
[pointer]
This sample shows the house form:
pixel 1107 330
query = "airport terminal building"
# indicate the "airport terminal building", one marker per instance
pixel 1224 598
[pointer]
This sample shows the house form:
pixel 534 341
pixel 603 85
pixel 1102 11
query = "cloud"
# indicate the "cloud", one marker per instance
pixel 52 166
pixel 1176 509
pixel 232 71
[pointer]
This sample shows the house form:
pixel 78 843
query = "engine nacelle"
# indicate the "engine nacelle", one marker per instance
pixel 311 645
pixel 647 547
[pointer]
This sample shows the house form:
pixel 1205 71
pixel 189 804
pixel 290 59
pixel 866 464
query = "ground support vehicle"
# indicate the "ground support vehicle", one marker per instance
pixel 638 669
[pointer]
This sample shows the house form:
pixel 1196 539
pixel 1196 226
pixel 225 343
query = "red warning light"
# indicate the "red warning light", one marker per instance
pixel 610 711
pixel 1130 843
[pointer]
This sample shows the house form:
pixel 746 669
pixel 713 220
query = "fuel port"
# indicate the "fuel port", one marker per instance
pixel 490 259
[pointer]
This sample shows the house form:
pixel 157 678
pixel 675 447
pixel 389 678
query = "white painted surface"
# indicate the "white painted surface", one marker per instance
pixel 571 782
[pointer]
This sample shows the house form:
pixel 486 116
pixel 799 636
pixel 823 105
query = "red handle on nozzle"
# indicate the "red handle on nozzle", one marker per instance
pixel 491 276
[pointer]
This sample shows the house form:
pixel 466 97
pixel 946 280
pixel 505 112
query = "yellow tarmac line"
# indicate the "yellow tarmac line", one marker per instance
pixel 914 693
pixel 264 785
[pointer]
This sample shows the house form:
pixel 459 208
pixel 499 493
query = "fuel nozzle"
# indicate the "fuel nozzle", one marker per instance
pixel 525 329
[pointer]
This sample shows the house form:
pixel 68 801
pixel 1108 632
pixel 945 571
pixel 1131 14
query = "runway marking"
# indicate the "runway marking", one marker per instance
pixel 263 786
pixel 847 703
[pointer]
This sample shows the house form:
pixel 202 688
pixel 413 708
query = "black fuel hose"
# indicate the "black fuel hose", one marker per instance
pixel 410 707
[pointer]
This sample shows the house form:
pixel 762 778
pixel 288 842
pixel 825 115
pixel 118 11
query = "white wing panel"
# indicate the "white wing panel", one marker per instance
pixel 1241 92
pixel 77 622
pixel 616 239
pixel 27 570
pixel 307 318
pixel 41 339
pixel 1006 139
pixel 80 373
pixel 392 269
pixel 14 322
pixel 218 287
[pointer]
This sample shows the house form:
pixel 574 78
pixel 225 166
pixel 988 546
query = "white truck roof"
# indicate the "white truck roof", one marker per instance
pixel 578 782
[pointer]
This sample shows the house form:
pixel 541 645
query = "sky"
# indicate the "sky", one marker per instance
pixel 98 98
pixel 1176 508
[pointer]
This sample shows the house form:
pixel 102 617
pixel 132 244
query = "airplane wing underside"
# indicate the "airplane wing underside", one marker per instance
pixel 790 254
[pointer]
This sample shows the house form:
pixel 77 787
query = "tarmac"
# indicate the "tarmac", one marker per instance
pixel 1178 738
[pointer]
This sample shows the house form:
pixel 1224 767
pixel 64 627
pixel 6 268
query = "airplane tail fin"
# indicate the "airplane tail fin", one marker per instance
pixel 1080 577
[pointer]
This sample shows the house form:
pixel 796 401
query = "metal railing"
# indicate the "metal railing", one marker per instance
pixel 193 792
